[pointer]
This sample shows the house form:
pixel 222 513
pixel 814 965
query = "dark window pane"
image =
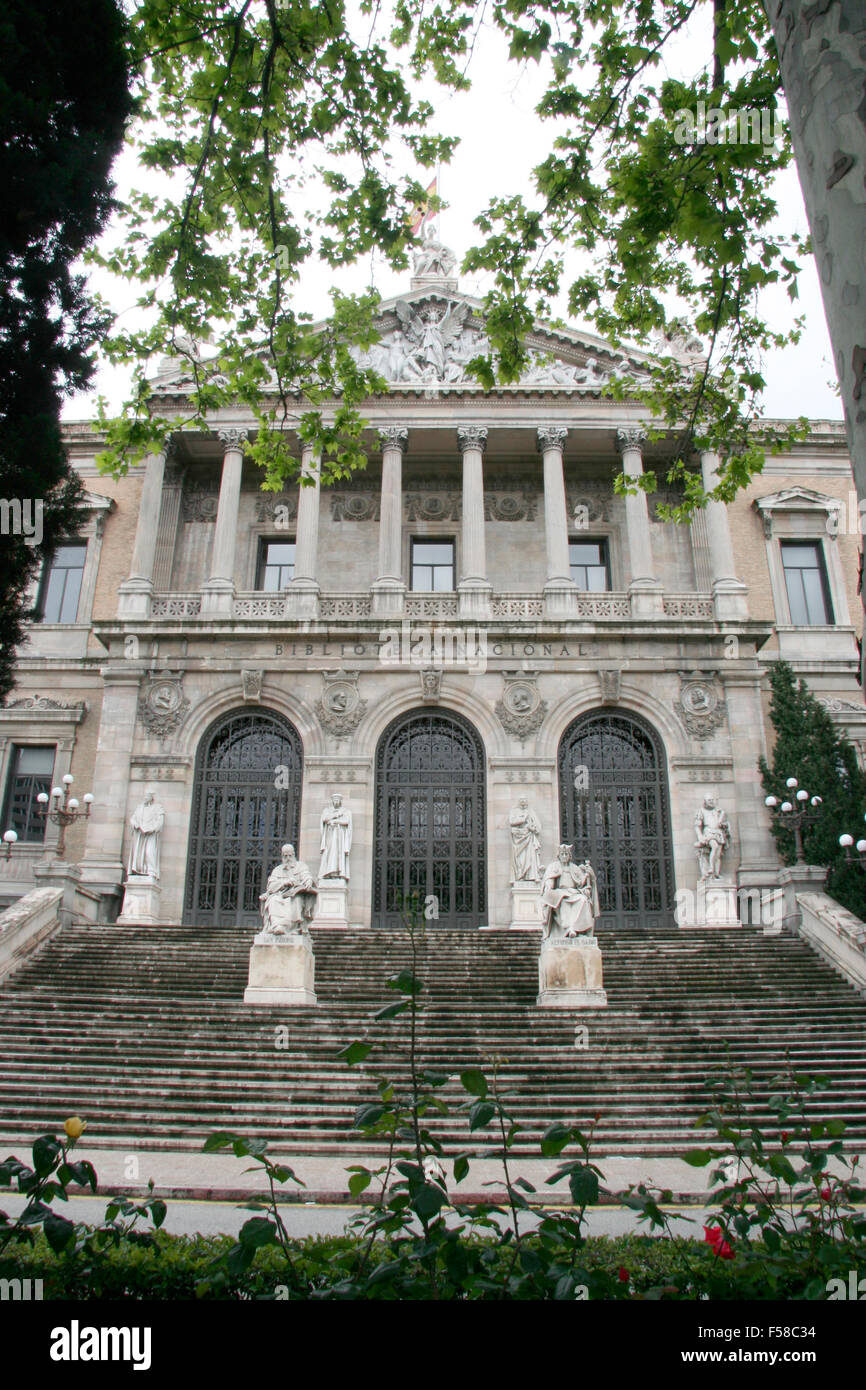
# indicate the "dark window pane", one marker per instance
pixel 588 563
pixel 806 584
pixel 30 773
pixel 433 566
pixel 276 565
pixel 61 585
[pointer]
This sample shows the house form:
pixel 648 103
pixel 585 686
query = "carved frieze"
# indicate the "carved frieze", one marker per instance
pixel 355 506
pixel 340 708
pixel 699 704
pixel 200 503
pixel 277 507
pixel 162 704
pixel 521 710
pixel 432 506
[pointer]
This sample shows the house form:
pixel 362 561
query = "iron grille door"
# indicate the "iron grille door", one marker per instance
pixel 430 836
pixel 240 816
pixel 614 810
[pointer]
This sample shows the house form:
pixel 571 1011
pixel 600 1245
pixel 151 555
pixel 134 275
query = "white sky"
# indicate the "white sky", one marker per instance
pixel 501 141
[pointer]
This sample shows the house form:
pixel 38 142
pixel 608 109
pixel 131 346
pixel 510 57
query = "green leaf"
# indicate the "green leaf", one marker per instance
pixel 461 1167
pixel 359 1182
pixel 258 1231
pixel 584 1186
pixel 58 1231
pixel 355 1052
pixel 474 1082
pixel 429 1201
pixel 481 1113
pixel 699 1158
pixel 392 1010
pixel 46 1152
pixel 554 1140
pixel 368 1115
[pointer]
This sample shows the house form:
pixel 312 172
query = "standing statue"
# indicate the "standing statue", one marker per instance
pixel 569 897
pixel 336 824
pixel 714 833
pixel 525 844
pixel 289 900
pixel 148 818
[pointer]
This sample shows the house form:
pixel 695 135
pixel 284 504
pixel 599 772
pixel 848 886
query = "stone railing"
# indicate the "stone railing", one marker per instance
pixel 345 606
pixel 431 606
pixel 598 607
pixel 259 605
pixel 688 606
pixel 175 606
pixel 836 934
pixel 26 924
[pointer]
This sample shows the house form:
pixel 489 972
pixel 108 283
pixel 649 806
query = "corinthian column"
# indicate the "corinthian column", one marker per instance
pixel 219 591
pixel 134 594
pixel 473 588
pixel 729 592
pixel 388 588
pixel 560 593
pixel 302 599
pixel 645 591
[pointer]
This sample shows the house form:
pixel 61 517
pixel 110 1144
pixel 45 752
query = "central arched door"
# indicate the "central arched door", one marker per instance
pixel 246 804
pixel 613 800
pixel 429 832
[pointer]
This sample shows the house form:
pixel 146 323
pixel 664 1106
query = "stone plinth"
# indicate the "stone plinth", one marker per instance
pixel 717 903
pixel 282 970
pixel 570 974
pixel 332 904
pixel 140 901
pixel 525 907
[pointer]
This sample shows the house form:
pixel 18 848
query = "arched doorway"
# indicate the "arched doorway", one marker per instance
pixel 614 809
pixel 246 804
pixel 429 831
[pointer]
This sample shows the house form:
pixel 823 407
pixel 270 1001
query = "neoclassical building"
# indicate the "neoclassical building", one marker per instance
pixel 474 618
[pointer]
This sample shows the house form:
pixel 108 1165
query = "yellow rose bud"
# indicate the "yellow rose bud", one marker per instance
pixel 75 1127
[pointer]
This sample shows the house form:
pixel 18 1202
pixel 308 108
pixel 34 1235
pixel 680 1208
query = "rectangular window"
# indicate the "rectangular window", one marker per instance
pixel 30 772
pixel 433 566
pixel 61 585
pixel 806 583
pixel 589 567
pixel 276 565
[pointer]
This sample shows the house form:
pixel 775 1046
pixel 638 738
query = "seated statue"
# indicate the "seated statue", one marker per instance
pixel 289 900
pixel 569 897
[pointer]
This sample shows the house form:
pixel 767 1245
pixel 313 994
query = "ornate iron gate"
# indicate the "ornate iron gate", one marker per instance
pixel 246 805
pixel 613 798
pixel 430 836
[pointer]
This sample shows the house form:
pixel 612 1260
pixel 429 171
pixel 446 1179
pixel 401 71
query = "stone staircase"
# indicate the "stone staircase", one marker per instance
pixel 143 1032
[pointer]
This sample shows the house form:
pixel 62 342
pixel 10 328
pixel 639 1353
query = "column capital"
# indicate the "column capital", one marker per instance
pixel 394 437
pixel 550 437
pixel 631 438
pixel 472 437
pixel 233 436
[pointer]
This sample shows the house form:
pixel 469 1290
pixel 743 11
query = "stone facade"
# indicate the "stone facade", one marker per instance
pixel 172 632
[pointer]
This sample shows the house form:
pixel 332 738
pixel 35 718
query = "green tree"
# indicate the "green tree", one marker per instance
pixel 63 105
pixel 810 747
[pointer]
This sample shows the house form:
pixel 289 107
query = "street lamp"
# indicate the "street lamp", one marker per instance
pixel 9 840
pixel 63 809
pixel 846 841
pixel 799 810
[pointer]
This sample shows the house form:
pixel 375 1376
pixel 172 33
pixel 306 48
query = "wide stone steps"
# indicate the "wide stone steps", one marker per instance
pixel 143 1031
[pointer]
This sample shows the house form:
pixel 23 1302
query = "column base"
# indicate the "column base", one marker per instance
pixel 647 599
pixel 140 902
pixel 730 600
pixel 474 598
pixel 282 971
pixel 332 903
pixel 133 598
pixel 560 599
pixel 387 598
pixel 217 599
pixel 570 974
pixel 302 600
pixel 525 907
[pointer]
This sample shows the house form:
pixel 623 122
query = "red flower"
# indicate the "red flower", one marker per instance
pixel 785 1136
pixel 826 1193
pixel 715 1237
pixel 623 1274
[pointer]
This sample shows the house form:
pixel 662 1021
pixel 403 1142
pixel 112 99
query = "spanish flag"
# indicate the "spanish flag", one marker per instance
pixel 423 210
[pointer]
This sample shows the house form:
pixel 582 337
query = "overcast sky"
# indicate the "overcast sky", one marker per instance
pixel 501 141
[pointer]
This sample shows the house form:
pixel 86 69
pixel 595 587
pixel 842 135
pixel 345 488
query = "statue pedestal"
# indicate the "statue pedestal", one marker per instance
pixel 525 906
pixel 717 903
pixel 140 901
pixel 570 974
pixel 282 970
pixel 332 904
